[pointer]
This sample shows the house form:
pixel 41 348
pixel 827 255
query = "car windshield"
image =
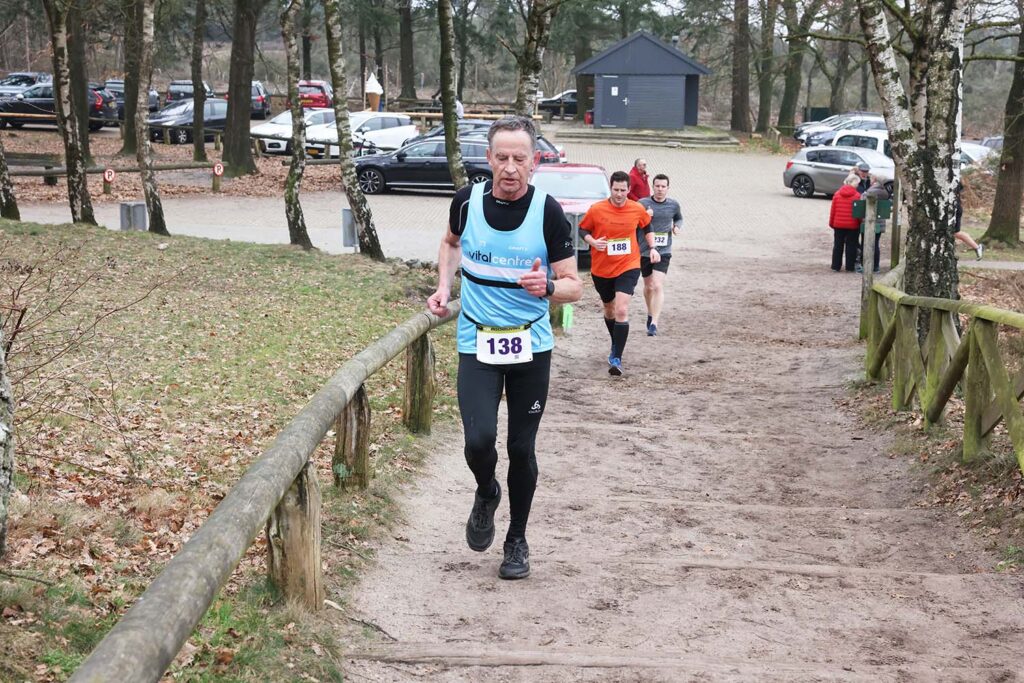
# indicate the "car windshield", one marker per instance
pixel 572 185
pixel 282 119
pixel 310 90
pixel 17 79
pixel 358 118
pixel 180 107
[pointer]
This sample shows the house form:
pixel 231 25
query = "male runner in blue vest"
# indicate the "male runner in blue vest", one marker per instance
pixel 509 238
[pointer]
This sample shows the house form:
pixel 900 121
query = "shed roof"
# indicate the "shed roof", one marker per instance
pixel 642 53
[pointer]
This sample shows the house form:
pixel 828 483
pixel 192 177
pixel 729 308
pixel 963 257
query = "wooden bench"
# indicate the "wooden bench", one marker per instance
pixel 47 162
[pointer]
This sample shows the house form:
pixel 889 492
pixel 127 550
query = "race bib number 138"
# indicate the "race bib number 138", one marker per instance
pixel 496 346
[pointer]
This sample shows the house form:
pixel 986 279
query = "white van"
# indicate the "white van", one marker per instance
pixel 878 140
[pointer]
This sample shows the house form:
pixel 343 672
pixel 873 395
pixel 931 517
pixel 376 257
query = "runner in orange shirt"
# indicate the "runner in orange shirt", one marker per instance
pixel 611 228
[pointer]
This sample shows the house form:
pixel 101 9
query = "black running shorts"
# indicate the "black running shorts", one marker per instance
pixel 624 282
pixel 646 267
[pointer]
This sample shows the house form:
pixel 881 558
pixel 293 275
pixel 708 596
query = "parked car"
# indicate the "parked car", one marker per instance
pixel 563 102
pixel 877 140
pixel 116 88
pixel 275 136
pixel 38 99
pixel 182 90
pixel 260 101
pixel 823 169
pixel 576 187
pixel 18 81
pixel 420 166
pixel 829 122
pixel 824 137
pixel 464 127
pixel 972 153
pixel 550 153
pixel 176 119
pixel 370 130
pixel 313 94
pixel 995 142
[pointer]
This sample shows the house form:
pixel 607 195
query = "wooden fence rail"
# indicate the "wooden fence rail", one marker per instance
pixel 278 492
pixel 932 369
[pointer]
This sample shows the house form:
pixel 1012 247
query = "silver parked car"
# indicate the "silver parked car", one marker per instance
pixel 822 169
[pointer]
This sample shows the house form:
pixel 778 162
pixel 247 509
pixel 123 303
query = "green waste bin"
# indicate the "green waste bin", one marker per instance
pixel 882 211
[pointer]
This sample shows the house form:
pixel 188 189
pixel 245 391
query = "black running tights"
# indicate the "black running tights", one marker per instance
pixel 526 390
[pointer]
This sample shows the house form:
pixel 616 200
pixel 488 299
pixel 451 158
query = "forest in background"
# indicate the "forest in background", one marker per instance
pixel 799 52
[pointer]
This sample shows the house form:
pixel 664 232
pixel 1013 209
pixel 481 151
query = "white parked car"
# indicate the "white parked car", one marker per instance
pixel 973 153
pixel 275 136
pixel 877 140
pixel 370 129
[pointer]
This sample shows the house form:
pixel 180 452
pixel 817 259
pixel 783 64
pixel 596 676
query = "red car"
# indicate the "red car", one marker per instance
pixel 315 94
pixel 576 187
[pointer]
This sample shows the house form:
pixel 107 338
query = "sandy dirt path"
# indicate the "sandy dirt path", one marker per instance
pixel 715 514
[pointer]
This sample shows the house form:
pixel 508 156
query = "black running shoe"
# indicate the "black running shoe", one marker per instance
pixel 480 526
pixel 516 564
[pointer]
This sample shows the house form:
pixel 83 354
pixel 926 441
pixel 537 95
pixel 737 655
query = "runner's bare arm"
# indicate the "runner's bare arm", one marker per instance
pixel 655 256
pixel 568 287
pixel 448 259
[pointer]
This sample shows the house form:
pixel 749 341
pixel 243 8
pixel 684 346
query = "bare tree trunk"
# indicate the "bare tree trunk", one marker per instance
pixel 78 187
pixel 8 203
pixel 865 77
pixel 766 59
pixel 531 59
pixel 740 120
pixel 837 96
pixel 453 147
pixel 297 233
pixel 80 95
pixel 369 244
pixel 198 91
pixel 1004 226
pixel 132 28
pixel 362 60
pixel 307 40
pixel 925 135
pixel 144 153
pixel 461 19
pixel 237 148
pixel 378 58
pixel 6 443
pixel 406 65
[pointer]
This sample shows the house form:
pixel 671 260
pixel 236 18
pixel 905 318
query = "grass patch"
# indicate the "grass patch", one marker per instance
pixel 151 417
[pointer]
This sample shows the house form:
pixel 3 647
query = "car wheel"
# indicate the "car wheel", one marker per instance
pixel 180 136
pixel 371 181
pixel 3 123
pixel 479 178
pixel 16 124
pixel 803 186
pixel 95 126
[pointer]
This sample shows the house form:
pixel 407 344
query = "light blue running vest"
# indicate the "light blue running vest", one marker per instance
pixel 492 263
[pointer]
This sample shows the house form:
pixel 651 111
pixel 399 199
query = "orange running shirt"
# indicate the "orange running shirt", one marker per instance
pixel 617 224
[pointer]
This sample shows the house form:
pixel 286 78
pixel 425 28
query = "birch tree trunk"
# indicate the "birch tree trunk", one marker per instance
pixel 8 203
pixel 766 60
pixel 78 84
pixel 144 154
pixel 297 233
pixel 531 58
pixel 1004 226
pixel 924 130
pixel 198 91
pixel 132 10
pixel 740 120
pixel 452 146
pixel 78 187
pixel 6 443
pixel 369 244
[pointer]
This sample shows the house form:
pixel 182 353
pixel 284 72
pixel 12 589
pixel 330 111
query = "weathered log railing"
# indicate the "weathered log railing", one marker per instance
pixel 932 371
pixel 279 492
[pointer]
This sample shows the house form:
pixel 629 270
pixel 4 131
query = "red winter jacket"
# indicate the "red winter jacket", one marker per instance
pixel 639 187
pixel 840 217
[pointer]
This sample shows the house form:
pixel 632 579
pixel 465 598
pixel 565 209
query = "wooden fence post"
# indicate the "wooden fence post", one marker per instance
pixel 867 261
pixel 977 395
pixel 896 238
pixel 216 142
pixel 350 463
pixel 293 542
pixel 418 408
pixel 903 368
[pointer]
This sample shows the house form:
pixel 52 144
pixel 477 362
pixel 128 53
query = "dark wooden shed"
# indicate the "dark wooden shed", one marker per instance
pixel 641 82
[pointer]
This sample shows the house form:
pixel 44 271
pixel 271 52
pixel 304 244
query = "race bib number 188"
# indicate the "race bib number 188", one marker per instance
pixel 620 247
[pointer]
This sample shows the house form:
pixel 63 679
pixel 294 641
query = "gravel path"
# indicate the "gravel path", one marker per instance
pixel 713 515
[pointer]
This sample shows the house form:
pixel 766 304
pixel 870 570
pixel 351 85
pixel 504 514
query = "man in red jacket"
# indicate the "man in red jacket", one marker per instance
pixel 639 185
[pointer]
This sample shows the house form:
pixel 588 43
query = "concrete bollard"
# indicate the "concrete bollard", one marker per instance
pixel 133 216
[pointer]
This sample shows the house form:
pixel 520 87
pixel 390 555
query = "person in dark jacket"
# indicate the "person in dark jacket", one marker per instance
pixel 877 190
pixel 844 225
